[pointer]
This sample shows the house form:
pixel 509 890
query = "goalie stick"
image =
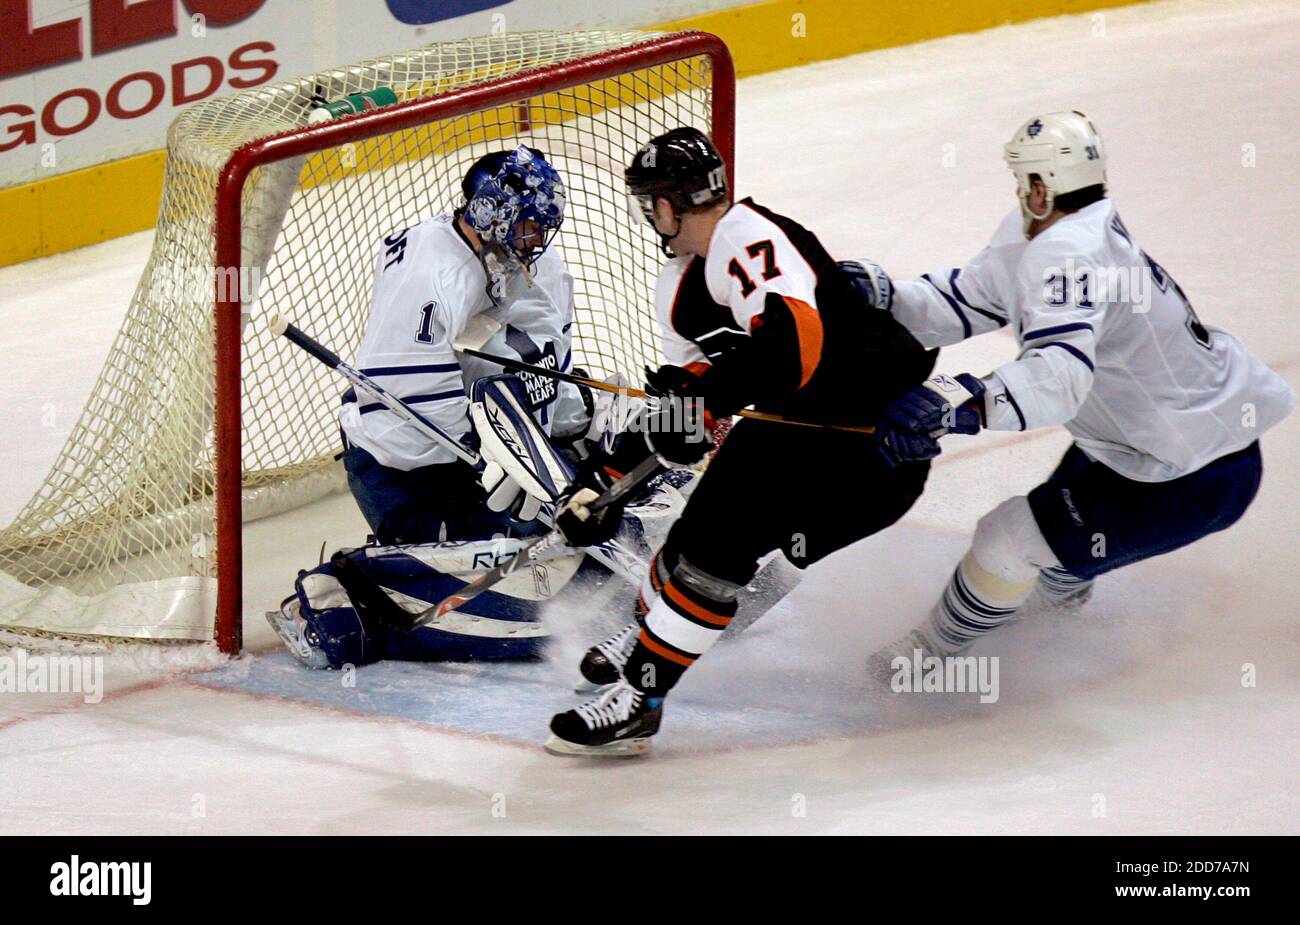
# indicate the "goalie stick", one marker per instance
pixel 521 366
pixel 547 544
pixel 640 474
pixel 280 327
pixel 612 555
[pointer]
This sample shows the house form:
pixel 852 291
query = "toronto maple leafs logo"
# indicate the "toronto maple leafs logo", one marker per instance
pixel 1034 128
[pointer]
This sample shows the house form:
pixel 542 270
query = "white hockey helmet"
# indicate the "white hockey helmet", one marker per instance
pixel 1063 149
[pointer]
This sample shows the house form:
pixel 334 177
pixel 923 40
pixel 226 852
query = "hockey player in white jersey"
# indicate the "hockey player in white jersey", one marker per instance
pixel 481 276
pixel 485 268
pixel 1166 411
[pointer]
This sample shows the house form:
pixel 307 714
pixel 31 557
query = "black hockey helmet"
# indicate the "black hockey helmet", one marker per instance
pixel 682 166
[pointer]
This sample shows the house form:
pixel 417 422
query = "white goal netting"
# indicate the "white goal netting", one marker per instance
pixel 119 539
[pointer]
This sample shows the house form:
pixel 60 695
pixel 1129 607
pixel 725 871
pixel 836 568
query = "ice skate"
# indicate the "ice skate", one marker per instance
pixel 617 723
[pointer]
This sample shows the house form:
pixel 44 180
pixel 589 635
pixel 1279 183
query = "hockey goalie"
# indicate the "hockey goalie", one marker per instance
pixel 482 281
pixel 483 276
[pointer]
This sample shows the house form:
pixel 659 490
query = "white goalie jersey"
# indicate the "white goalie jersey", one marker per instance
pixel 430 289
pixel 1109 347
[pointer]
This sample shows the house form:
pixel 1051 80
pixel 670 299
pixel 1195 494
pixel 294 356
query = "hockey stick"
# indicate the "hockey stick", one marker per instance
pixel 613 553
pixel 520 366
pixel 640 474
pixel 280 327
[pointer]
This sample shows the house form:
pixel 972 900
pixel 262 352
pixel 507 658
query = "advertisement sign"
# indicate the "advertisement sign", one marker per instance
pixel 89 81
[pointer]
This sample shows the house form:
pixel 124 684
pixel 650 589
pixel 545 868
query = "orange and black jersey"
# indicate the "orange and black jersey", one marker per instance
pixel 781 327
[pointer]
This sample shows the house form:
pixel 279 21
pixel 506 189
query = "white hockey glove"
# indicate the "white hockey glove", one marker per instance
pixel 610 413
pixel 505 494
pixel 614 411
pixel 522 471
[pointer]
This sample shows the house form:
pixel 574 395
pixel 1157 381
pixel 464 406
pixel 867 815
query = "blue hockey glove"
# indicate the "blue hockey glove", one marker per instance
pixel 870 282
pixel 941 405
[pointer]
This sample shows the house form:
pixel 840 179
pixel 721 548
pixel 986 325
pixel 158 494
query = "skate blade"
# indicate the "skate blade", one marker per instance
pixel 587 687
pixel 628 748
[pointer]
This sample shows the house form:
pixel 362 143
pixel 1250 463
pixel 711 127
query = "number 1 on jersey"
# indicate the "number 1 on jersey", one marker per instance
pixel 425 334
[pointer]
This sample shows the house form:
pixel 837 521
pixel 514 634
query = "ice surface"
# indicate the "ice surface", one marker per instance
pixel 1130 716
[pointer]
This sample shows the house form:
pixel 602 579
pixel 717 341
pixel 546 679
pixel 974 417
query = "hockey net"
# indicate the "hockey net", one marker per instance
pixel 201 420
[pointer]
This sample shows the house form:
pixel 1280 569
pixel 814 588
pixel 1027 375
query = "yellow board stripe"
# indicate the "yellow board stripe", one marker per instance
pixel 81 207
pixel 787 33
pixel 492 124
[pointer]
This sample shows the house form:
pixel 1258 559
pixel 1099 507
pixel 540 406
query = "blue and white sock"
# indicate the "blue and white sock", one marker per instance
pixel 1057 586
pixel 975 602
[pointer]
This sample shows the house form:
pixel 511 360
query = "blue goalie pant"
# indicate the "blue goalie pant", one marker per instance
pixel 425 505
pixel 1095 520
pixel 355 608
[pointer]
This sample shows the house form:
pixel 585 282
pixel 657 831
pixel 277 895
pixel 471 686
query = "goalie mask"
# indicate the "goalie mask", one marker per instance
pixel 515 211
pixel 1063 149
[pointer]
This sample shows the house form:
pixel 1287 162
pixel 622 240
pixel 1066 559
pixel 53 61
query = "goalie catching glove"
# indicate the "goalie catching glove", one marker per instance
pixel 940 405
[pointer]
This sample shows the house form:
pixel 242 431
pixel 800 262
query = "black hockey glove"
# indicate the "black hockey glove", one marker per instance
pixel 676 423
pixel 574 518
pixel 671 427
pixel 671 380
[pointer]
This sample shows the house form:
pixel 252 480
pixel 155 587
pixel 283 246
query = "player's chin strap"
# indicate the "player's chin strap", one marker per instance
pixel 1029 215
pixel 666 240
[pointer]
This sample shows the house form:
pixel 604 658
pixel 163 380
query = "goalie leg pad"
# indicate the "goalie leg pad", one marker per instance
pixel 355 608
pixel 333 626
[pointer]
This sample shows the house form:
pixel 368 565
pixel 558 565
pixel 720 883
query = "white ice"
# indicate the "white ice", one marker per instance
pixel 1130 717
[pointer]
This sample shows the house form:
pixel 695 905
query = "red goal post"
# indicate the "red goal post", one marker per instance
pixel 230 207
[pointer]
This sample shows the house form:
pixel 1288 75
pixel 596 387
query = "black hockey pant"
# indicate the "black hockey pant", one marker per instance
pixel 770 486
pixel 806 492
